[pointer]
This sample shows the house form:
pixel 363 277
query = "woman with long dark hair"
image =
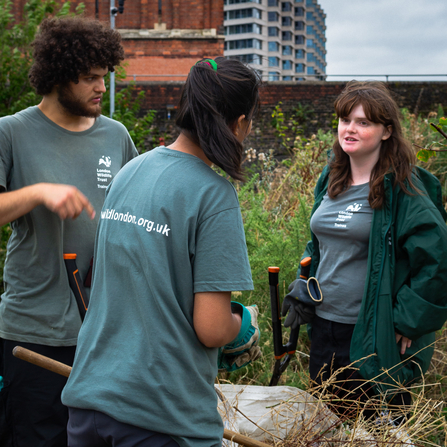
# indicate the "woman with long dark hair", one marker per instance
pixel 379 252
pixel 170 248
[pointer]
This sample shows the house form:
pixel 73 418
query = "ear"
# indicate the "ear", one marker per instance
pixel 237 127
pixel 387 132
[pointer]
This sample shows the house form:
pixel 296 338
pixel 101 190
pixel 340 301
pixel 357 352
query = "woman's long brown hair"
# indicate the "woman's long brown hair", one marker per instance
pixel 396 154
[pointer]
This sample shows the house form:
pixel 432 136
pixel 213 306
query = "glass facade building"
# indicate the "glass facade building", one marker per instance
pixel 282 40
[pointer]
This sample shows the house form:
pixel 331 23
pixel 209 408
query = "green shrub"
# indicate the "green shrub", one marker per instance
pixel 16 51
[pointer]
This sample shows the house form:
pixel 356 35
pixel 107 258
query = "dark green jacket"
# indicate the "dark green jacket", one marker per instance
pixel 406 282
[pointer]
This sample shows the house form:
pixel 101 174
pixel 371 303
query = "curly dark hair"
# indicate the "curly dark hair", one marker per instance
pixel 66 47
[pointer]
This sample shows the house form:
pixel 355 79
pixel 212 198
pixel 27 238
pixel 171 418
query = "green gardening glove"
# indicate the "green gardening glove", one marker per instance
pixel 228 362
pixel 243 349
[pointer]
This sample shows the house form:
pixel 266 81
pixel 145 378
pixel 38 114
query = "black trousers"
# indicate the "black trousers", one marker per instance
pixel 329 352
pixel 89 428
pixel 31 411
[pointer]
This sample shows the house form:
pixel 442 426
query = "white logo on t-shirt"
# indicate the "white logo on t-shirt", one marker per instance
pixel 345 216
pixel 104 175
pixel 105 161
pixel 354 208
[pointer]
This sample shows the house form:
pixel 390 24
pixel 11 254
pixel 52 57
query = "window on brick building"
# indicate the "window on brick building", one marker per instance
pixel 287 78
pixel 287 65
pixel 310 70
pixel 299 68
pixel 273 76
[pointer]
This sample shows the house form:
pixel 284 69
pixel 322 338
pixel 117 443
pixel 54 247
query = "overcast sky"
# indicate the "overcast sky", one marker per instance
pixel 386 37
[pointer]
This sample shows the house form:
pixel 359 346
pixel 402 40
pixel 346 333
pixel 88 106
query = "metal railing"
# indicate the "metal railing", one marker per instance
pixel 386 76
pixel 370 76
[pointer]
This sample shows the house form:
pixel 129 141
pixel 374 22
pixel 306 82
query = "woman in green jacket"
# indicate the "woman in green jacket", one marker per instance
pixel 379 251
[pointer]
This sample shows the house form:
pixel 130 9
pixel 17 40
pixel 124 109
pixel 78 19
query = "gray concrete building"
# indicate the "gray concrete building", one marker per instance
pixel 282 40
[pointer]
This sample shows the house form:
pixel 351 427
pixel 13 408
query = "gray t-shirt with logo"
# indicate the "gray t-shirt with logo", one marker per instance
pixel 170 227
pixel 38 305
pixel 342 226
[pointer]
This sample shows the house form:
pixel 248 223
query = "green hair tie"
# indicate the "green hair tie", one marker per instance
pixel 210 62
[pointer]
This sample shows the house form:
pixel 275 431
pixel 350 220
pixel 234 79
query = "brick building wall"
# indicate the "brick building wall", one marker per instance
pixel 143 14
pixel 167 52
pixel 188 30
pixel 316 97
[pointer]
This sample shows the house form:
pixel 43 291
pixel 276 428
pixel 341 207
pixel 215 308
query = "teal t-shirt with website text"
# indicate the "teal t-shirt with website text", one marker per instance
pixel 170 227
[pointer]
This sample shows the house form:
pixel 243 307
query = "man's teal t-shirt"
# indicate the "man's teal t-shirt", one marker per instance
pixel 38 305
pixel 170 227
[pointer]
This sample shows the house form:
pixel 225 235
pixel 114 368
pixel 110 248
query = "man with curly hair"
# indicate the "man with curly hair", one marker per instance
pixel 56 161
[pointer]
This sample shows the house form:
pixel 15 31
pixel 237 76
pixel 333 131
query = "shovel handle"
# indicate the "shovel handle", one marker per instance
pixel 243 440
pixel 41 360
pixel 64 370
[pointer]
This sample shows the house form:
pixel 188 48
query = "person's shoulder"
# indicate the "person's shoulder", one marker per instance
pixel 111 123
pixel 425 196
pixel 197 176
pixel 18 117
pixel 23 120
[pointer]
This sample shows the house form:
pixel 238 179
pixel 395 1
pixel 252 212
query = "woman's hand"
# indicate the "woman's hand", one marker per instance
pixel 405 342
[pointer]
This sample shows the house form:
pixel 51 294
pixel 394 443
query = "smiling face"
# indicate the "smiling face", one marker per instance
pixel 84 98
pixel 359 137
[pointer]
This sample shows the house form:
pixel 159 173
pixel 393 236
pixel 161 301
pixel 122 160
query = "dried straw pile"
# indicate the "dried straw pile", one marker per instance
pixel 290 417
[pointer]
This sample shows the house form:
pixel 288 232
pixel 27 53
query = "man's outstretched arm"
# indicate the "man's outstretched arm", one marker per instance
pixel 64 200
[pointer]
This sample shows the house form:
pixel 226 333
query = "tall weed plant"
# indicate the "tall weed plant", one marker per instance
pixel 276 204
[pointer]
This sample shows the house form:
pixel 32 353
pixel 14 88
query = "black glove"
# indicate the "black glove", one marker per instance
pixel 299 313
pixel 301 301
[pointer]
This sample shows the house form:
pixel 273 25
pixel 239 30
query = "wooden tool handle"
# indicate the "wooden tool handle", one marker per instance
pixel 243 440
pixel 41 360
pixel 64 370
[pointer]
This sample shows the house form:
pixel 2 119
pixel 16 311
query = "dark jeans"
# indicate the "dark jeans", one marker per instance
pixel 329 352
pixel 32 413
pixel 89 428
